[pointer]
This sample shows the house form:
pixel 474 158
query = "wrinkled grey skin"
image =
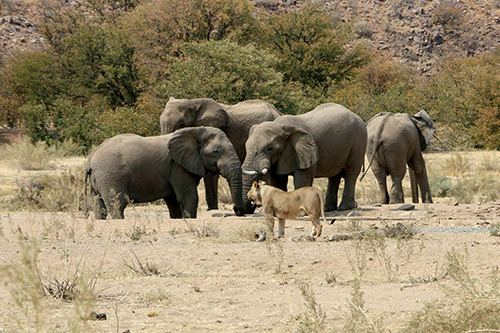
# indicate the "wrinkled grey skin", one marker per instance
pixel 329 141
pixel 234 120
pixel 170 167
pixel 395 140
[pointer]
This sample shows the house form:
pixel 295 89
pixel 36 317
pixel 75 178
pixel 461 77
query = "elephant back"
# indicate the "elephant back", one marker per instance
pixel 243 116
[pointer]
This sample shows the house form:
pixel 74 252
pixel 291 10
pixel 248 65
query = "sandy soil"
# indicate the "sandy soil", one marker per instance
pixel 227 282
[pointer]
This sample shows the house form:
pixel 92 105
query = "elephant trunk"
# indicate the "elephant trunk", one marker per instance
pixel 232 173
pixel 254 169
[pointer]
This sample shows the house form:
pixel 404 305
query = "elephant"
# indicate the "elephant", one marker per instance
pixel 329 141
pixel 130 167
pixel 234 120
pixel 395 140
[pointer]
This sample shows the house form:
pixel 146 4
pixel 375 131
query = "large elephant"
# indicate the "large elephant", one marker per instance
pixel 170 167
pixel 395 140
pixel 234 120
pixel 329 141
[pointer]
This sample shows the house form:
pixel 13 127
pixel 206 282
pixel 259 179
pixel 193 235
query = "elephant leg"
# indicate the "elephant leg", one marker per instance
pixel 211 187
pixel 381 176
pixel 281 227
pixel 413 184
pixel 417 163
pixel 302 178
pixel 100 211
pixel 332 192
pixel 187 196
pixel 115 202
pixel 280 181
pixel 348 201
pixel 174 209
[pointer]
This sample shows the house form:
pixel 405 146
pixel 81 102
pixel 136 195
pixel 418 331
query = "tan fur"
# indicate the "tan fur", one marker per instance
pixel 287 205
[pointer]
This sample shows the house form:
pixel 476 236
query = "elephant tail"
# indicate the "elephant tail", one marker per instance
pixel 371 160
pixel 86 180
pixel 377 139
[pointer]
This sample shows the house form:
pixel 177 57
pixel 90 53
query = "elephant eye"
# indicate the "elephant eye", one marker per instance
pixel 216 151
pixel 270 148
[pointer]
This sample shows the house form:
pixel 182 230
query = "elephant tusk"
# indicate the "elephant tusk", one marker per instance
pixel 248 172
pixel 264 171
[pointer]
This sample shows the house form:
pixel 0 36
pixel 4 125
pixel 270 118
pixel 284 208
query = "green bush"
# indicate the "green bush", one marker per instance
pixel 311 48
pixel 157 28
pixel 441 185
pixel 228 73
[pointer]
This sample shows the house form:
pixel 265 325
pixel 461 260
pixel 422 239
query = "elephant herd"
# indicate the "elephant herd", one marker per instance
pixel 249 141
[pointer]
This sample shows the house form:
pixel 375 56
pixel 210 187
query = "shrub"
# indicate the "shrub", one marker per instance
pixel 468 305
pixel 228 73
pixel 158 28
pixel 55 193
pixel 447 16
pixel 28 156
pixel 441 185
pixel 311 48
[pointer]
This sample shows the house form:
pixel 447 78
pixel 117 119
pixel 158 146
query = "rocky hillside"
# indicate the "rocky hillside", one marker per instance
pixel 420 33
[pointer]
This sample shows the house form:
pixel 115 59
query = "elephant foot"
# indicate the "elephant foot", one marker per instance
pixel 347 205
pixel 330 208
pixel 398 201
pixel 238 212
pixel 213 208
pixel 250 209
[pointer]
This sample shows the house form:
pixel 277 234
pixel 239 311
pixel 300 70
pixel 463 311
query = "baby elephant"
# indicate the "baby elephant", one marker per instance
pixel 286 205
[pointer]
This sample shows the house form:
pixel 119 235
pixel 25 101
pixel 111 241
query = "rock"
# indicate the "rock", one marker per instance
pixel 405 207
pixel 337 238
pixel 303 238
pixel 262 237
pixel 437 38
pixel 97 316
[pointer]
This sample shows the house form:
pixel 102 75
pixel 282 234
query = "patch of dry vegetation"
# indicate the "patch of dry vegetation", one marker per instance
pixel 468 305
pixel 29 287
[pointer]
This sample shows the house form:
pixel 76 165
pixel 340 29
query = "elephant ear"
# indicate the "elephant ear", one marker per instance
pixel 184 149
pixel 425 126
pixel 300 151
pixel 212 114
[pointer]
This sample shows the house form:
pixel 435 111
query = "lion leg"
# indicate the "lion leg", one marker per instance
pixel 281 227
pixel 270 224
pixel 317 227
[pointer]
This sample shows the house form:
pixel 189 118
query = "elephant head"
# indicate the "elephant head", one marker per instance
pixel 180 113
pixel 280 148
pixel 203 150
pixel 425 126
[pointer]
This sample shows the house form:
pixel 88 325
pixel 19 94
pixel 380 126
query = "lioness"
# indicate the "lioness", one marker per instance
pixel 285 205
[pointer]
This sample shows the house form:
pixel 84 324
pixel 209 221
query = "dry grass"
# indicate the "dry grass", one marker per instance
pixel 468 305
pixel 57 193
pixel 142 266
pixel 28 156
pixel 205 229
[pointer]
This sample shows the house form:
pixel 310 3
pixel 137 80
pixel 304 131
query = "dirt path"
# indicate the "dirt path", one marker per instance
pixel 225 281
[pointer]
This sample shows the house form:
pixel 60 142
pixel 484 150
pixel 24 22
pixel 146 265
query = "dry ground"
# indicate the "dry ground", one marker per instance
pixel 209 274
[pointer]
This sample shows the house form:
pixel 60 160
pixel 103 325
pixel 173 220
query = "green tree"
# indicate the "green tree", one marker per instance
pixel 227 72
pixel 157 28
pixel 311 48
